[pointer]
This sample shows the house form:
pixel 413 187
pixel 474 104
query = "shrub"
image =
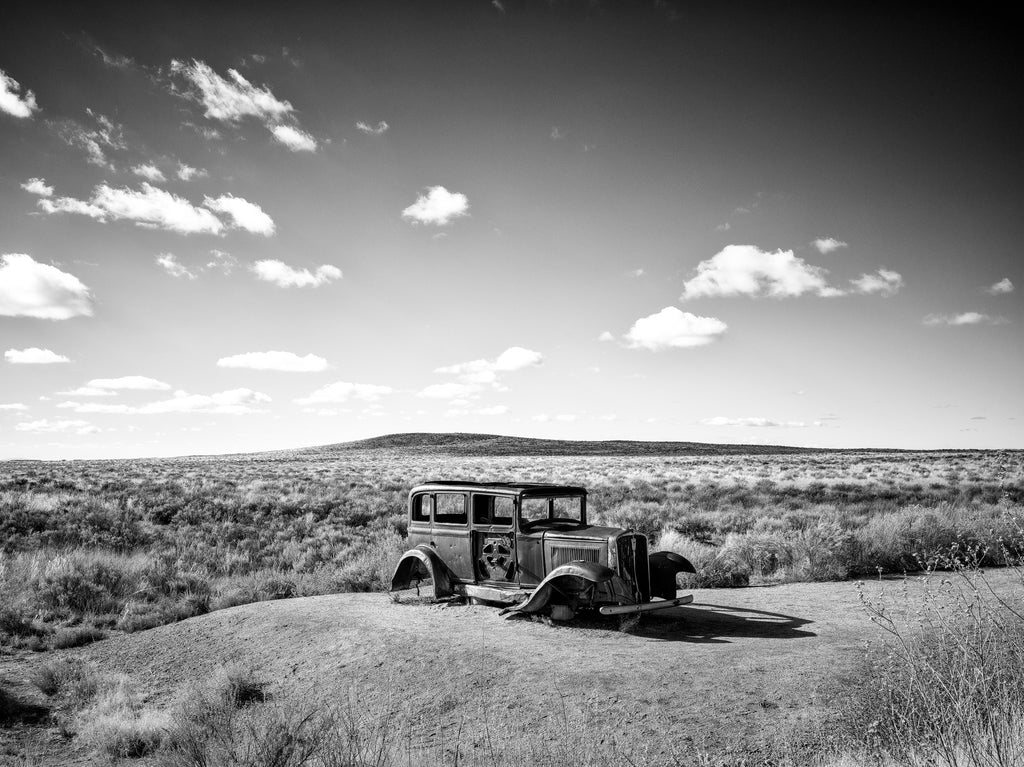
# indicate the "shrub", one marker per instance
pixel 76 636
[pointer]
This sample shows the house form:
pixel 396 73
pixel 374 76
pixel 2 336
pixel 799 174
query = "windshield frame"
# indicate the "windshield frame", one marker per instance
pixel 528 524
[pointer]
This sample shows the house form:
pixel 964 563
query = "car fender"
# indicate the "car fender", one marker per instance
pixel 414 561
pixel 564 582
pixel 664 566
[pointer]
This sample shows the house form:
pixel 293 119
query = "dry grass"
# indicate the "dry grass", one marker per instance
pixel 129 545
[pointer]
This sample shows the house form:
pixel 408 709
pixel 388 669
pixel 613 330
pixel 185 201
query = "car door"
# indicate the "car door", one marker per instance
pixel 494 540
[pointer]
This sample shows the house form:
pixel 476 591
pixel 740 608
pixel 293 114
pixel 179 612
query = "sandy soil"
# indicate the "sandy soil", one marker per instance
pixel 735 672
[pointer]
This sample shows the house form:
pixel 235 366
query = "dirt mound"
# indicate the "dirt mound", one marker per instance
pixel 736 671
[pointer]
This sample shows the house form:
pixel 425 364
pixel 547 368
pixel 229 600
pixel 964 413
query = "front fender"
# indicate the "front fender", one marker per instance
pixel 566 583
pixel 421 563
pixel 664 566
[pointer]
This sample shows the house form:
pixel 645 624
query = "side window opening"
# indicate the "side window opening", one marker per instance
pixel 421 508
pixel 450 509
pixel 492 510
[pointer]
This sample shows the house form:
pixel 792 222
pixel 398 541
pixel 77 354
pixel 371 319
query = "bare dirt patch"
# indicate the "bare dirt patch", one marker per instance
pixel 738 672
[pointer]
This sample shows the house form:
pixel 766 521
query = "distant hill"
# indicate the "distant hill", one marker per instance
pixel 496 445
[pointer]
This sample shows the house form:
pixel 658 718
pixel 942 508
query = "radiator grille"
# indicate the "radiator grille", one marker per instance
pixel 561 555
pixel 633 566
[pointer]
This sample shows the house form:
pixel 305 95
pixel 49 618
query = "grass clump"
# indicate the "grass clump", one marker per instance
pixel 946 688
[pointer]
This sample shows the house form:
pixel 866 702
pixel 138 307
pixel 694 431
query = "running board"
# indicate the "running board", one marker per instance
pixel 644 607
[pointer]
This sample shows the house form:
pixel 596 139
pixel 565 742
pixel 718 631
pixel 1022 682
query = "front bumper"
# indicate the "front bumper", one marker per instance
pixel 644 607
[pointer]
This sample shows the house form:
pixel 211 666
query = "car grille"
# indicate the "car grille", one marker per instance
pixel 633 563
pixel 561 555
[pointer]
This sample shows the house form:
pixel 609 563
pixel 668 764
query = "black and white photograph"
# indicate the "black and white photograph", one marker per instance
pixel 465 383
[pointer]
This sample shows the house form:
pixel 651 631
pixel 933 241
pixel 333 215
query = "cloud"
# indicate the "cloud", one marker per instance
pixel 484 371
pixel 94 141
pixel 187 172
pixel 45 426
pixel 33 356
pixel 723 227
pixel 229 99
pixel 153 208
pixel 294 138
pixel 828 244
pixel 37 186
pixel 133 383
pixel 499 6
pixel 673 329
pixel 243 214
pixel 370 130
pixel 965 318
pixel 1003 286
pixel 88 391
pixel 343 391
pixel 222 261
pixel 748 270
pixel 757 422
pixel 149 172
pixel 12 101
pixel 438 206
pixel 557 134
pixel 13 406
pixel 173 267
pixel 450 390
pixel 231 402
pixel 283 361
pixel 605 336
pixel 284 276
pixel 493 410
pixel 884 282
pixel 31 289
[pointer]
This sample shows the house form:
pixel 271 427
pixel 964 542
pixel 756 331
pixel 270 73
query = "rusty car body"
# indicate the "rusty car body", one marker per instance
pixel 530 547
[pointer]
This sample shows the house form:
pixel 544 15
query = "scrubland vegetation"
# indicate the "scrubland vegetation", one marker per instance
pixel 90 547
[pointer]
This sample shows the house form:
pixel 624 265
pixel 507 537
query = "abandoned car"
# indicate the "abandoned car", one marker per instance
pixel 530 547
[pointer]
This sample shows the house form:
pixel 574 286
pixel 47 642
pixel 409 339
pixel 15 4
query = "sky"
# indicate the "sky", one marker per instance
pixel 230 230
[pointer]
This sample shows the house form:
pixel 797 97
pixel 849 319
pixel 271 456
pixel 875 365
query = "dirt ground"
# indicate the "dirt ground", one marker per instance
pixel 737 672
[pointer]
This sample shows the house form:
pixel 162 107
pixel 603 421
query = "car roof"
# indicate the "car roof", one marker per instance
pixel 502 488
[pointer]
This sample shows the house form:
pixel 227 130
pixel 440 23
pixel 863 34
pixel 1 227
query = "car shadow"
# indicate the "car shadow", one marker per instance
pixel 703 622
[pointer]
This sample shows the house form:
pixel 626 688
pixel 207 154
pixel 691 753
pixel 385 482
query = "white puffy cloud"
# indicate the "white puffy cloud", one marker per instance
pixel 229 99
pixel 13 406
pixel 221 261
pixel 438 206
pixel 149 172
pixel 606 335
pixel 31 289
pixel 231 402
pixel 38 186
pixel 45 426
pixel 133 383
pixel 173 267
pixel 243 214
pixel 12 100
pixel 757 422
pixel 283 361
pixel 884 282
pixel 964 318
pixel 154 208
pixel 748 270
pixel 1000 288
pixel 372 130
pixel 187 172
pixel 34 356
pixel 343 391
pixel 828 244
pixel 147 207
pixel 294 138
pixel 484 371
pixel 673 329
pixel 284 276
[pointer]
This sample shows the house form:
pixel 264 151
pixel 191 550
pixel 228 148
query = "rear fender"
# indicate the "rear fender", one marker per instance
pixel 664 567
pixel 566 584
pixel 420 564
